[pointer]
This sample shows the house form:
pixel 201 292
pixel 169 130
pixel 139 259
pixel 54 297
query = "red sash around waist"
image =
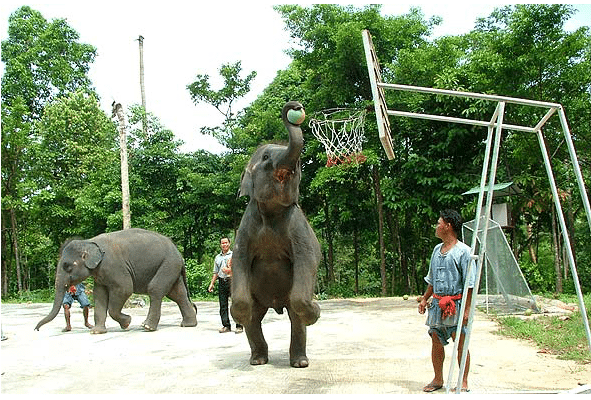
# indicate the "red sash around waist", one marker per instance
pixel 447 304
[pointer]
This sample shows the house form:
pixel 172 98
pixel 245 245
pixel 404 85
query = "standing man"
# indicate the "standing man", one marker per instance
pixel 222 272
pixel 77 293
pixel 449 268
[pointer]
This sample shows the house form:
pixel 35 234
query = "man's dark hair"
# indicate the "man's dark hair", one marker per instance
pixel 454 218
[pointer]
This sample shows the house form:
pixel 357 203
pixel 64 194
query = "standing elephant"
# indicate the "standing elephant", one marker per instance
pixel 276 253
pixel 122 263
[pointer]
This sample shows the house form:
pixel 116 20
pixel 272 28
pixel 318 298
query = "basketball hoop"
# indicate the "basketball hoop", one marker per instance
pixel 341 131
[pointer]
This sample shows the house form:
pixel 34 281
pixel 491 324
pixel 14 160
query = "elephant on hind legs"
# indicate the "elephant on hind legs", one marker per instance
pixel 122 263
pixel 276 253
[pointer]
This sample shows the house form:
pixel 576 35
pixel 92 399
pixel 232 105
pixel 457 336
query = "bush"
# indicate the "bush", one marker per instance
pixel 198 279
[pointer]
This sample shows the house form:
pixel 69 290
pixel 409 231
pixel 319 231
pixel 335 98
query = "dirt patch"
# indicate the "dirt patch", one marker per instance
pixel 357 346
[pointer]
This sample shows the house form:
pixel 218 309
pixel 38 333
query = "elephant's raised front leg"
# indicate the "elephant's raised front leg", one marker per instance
pixel 308 311
pixel 302 292
pixel 241 308
pixel 297 347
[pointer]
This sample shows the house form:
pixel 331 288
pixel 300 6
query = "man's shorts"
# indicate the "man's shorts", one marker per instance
pixel 81 298
pixel 445 332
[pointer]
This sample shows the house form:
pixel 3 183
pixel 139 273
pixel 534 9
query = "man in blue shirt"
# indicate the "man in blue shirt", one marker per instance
pixel 449 268
pixel 222 272
pixel 77 293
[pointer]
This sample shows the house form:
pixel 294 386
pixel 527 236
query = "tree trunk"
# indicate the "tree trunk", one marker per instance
pixel 16 249
pixel 532 250
pixel 118 111
pixel 142 88
pixel 5 264
pixel 356 257
pixel 570 218
pixel 380 208
pixel 329 239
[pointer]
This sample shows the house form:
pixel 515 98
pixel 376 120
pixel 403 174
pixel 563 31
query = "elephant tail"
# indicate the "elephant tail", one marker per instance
pixel 184 275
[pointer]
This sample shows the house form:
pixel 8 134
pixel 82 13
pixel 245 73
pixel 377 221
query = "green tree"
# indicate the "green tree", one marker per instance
pixel 222 99
pixel 524 51
pixel 43 60
pixel 332 59
pixel 71 168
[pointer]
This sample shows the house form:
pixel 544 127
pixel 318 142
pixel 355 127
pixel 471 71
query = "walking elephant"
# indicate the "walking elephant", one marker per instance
pixel 122 263
pixel 276 253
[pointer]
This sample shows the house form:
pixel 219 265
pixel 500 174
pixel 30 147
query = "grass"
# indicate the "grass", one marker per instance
pixel 564 337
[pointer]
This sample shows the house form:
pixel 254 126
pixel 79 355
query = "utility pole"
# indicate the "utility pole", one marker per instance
pixel 118 112
pixel 144 122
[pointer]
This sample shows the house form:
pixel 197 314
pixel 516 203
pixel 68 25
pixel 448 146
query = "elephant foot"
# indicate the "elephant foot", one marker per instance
pixel 189 323
pixel 98 330
pixel 148 327
pixel 258 360
pixel 299 362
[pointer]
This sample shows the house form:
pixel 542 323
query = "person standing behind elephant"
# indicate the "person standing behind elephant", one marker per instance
pixel 78 293
pixel 222 273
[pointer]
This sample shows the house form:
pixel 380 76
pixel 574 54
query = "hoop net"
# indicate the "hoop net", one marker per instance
pixel 341 131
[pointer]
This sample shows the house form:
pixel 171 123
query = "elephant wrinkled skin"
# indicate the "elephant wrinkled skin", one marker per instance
pixel 276 253
pixel 122 263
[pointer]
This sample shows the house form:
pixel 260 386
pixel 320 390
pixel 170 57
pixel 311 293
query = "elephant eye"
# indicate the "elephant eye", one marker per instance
pixel 67 267
pixel 265 157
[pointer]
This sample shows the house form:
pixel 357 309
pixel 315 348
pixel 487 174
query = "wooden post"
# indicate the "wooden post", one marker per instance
pixel 118 111
pixel 142 88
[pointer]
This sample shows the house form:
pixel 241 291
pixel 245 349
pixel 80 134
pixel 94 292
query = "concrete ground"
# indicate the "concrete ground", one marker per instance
pixel 373 346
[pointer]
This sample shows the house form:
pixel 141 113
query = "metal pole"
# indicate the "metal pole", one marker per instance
pixel 574 159
pixel 481 261
pixel 491 97
pixel 432 117
pixel 565 237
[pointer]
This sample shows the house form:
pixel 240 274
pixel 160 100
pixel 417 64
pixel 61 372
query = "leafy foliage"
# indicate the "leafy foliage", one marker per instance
pixel 60 152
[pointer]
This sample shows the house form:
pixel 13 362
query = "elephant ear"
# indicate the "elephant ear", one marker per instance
pixel 92 255
pixel 246 188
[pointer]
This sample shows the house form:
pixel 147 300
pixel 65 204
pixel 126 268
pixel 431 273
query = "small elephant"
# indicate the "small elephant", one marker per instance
pixel 276 253
pixel 122 263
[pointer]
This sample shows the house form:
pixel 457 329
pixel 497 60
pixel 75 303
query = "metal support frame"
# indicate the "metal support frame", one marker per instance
pixel 495 127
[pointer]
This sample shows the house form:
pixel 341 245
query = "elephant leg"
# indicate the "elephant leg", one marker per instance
pixel 179 295
pixel 153 319
pixel 101 301
pixel 117 299
pixel 161 285
pixel 297 347
pixel 259 350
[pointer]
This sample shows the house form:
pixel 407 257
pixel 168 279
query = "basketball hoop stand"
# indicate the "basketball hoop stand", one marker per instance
pixel 495 127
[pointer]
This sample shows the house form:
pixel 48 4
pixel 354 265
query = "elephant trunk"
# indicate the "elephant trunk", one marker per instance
pixel 60 290
pixel 296 139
